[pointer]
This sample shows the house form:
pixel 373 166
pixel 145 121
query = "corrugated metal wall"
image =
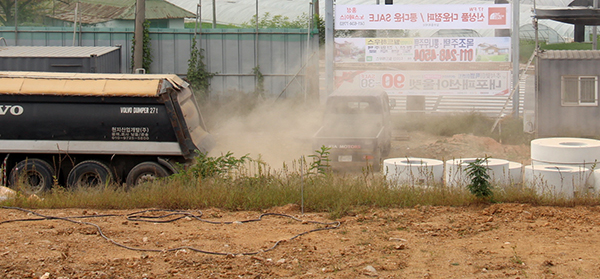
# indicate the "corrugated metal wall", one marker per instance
pixel 230 53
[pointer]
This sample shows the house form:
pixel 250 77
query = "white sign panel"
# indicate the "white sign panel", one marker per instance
pixel 438 49
pixel 491 83
pixel 449 16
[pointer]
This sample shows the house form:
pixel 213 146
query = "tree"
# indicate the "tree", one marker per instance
pixel 279 21
pixel 28 11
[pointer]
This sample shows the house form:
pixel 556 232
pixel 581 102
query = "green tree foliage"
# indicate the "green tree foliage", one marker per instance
pixel 480 185
pixel 197 74
pixel 29 11
pixel 278 21
pixel 320 23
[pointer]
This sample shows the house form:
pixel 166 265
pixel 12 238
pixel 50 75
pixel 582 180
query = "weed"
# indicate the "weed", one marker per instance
pixel 206 166
pixel 146 45
pixel 320 163
pixel 478 173
pixel 197 74
pixel 259 89
pixel 515 258
pixel 231 183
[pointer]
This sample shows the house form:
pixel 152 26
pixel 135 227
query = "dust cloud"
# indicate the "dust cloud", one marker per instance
pixel 276 132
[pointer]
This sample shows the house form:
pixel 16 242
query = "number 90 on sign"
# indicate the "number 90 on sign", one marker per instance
pixel 392 81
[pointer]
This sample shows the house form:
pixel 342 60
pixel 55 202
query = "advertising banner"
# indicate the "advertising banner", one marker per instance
pixel 448 16
pixel 437 49
pixel 435 83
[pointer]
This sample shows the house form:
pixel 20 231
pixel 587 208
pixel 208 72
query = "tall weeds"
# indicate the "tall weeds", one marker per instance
pixel 253 186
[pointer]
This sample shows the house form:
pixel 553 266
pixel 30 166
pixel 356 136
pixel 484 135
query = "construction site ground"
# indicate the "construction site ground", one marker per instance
pixel 479 241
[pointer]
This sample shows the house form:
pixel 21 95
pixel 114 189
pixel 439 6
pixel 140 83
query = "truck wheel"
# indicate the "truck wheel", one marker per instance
pixel 89 174
pixel 145 172
pixel 33 175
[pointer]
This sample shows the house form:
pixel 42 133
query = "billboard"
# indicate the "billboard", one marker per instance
pixel 437 49
pixel 448 16
pixel 420 83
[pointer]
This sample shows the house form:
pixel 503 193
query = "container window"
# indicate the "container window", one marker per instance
pixel 579 90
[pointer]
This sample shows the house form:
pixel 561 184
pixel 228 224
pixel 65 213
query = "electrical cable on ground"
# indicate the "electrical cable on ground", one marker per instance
pixel 174 215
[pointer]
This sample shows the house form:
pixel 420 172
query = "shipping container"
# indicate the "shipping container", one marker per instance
pixel 61 59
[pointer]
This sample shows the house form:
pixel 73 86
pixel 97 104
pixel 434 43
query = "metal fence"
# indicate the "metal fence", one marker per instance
pixel 232 54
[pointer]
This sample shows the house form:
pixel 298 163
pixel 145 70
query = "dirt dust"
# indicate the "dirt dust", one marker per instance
pixel 486 241
pixel 422 145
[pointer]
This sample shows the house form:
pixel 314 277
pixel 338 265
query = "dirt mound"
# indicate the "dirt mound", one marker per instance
pixel 459 146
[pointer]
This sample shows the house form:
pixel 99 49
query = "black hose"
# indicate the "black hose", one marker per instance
pixel 178 214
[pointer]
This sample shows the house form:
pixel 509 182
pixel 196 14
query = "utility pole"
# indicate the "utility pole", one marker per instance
pixel 329 75
pixel 515 50
pixel 16 24
pixel 214 14
pixel 595 30
pixel 138 49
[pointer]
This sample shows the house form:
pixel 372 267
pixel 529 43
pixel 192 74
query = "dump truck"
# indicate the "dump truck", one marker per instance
pixel 85 130
pixel 356 128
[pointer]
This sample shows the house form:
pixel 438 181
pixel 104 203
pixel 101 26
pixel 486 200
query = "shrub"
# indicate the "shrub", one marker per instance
pixel 480 185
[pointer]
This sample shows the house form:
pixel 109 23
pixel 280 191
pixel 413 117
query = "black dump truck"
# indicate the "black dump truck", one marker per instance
pixel 356 128
pixel 93 129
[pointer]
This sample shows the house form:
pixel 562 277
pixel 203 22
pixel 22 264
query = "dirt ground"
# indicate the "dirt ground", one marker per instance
pixel 496 241
pixel 487 241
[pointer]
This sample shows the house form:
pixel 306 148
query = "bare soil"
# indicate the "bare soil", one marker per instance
pixel 486 241
pixel 496 241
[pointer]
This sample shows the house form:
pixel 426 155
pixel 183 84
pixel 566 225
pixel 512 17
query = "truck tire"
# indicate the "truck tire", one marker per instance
pixel 37 176
pixel 89 173
pixel 145 172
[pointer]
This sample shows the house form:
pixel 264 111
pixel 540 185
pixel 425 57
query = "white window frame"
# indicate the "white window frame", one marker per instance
pixel 566 89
